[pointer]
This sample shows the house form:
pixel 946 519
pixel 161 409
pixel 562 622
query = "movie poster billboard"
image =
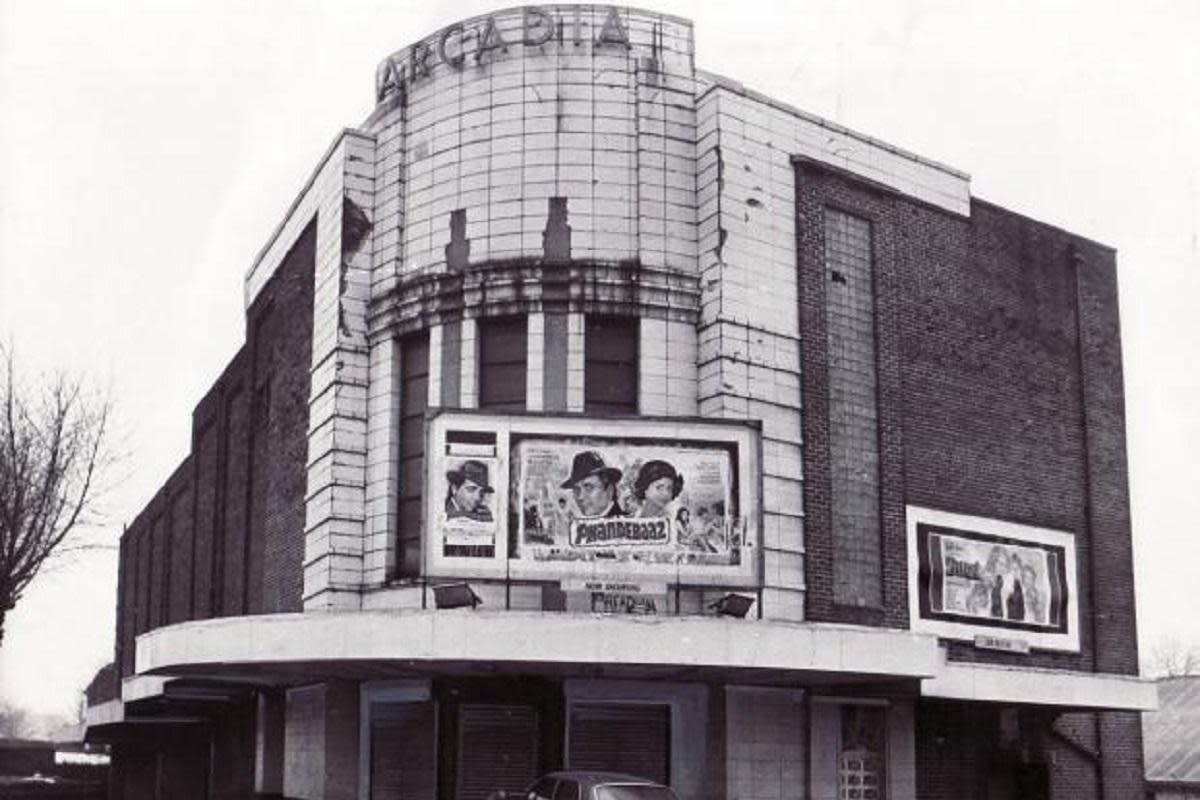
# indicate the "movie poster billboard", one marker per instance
pixel 559 497
pixel 621 501
pixel 973 577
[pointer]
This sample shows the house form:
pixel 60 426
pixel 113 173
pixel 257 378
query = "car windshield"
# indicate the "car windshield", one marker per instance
pixel 633 791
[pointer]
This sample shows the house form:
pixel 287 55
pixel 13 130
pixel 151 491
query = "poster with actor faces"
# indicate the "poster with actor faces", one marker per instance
pixel 559 498
pixel 987 578
pixel 467 513
pixel 619 501
pixel 980 577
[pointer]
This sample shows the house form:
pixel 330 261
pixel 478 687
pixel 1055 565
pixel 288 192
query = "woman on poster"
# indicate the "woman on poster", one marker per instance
pixel 656 486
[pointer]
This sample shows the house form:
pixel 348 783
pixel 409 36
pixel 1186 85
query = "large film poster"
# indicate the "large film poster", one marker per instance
pixel 587 500
pixel 977 576
pixel 561 497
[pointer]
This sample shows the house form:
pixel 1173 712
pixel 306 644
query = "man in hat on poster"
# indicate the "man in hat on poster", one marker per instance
pixel 594 485
pixel 466 495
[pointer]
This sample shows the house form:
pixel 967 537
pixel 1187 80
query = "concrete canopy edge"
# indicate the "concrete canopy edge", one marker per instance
pixel 1026 685
pixel 516 637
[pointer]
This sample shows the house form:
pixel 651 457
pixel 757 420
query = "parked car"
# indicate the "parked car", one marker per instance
pixel 583 785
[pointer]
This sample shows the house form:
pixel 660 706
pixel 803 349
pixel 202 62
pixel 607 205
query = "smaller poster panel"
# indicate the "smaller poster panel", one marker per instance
pixel 973 577
pixel 465 483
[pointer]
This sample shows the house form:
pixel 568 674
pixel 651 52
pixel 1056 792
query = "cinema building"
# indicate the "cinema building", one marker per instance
pixel 596 411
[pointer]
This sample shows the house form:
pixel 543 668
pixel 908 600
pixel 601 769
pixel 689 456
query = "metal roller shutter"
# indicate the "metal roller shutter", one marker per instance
pixel 624 738
pixel 497 749
pixel 403 753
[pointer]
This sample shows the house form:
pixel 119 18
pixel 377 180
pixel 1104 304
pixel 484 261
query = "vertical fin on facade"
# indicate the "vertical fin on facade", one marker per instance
pixel 722 233
pixel 556 238
pixel 355 227
pixel 458 252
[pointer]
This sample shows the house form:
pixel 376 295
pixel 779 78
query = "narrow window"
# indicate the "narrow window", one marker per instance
pixel 853 411
pixel 503 345
pixel 610 370
pixel 414 399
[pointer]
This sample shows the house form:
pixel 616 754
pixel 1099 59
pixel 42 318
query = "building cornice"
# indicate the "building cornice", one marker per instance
pixel 524 285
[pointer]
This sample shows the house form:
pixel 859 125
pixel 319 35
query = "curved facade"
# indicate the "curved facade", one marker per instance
pixel 598 412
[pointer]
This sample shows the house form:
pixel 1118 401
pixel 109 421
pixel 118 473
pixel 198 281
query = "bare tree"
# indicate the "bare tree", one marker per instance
pixel 1172 658
pixel 53 435
pixel 14 722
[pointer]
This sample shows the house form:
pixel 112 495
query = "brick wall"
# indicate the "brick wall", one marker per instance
pixel 999 390
pixel 204 451
pixel 225 534
pixel 949 762
pixel 179 580
pixel 282 347
pixel 1085 755
pixel 911 243
pixel 236 474
pixel 999 395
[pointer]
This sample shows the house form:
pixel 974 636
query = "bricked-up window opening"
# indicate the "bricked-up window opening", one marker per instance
pixel 503 347
pixel 610 370
pixel 853 411
pixel 861 763
pixel 414 399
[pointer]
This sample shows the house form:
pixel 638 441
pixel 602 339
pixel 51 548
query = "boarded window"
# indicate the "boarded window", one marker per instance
pixel 610 377
pixel 414 399
pixel 633 738
pixel 503 343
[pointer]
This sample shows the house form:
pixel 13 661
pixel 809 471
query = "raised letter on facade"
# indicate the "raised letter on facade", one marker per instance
pixel 490 39
pixel 613 31
pixel 455 60
pixel 539 27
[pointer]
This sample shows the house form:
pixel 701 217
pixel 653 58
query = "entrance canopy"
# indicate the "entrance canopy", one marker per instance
pixel 370 644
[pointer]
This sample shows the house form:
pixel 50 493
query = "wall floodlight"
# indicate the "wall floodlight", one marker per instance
pixel 732 605
pixel 455 595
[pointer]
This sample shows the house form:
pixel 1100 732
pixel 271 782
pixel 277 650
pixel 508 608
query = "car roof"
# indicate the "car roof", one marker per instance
pixel 597 777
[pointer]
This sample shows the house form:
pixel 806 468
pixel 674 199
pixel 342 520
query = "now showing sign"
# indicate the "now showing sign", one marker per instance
pixel 615 596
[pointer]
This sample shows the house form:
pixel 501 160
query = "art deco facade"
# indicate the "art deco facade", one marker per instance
pixel 625 349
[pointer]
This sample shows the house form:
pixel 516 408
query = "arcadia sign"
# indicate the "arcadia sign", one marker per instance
pixel 461 44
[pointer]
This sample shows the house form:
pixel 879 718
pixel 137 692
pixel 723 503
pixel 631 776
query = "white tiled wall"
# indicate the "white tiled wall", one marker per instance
pixel 667 368
pixel 469 382
pixel 383 461
pixel 609 128
pixel 575 356
pixel 536 362
pixel 766 740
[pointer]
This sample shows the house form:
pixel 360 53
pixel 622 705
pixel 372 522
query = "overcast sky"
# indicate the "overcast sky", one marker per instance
pixel 148 149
